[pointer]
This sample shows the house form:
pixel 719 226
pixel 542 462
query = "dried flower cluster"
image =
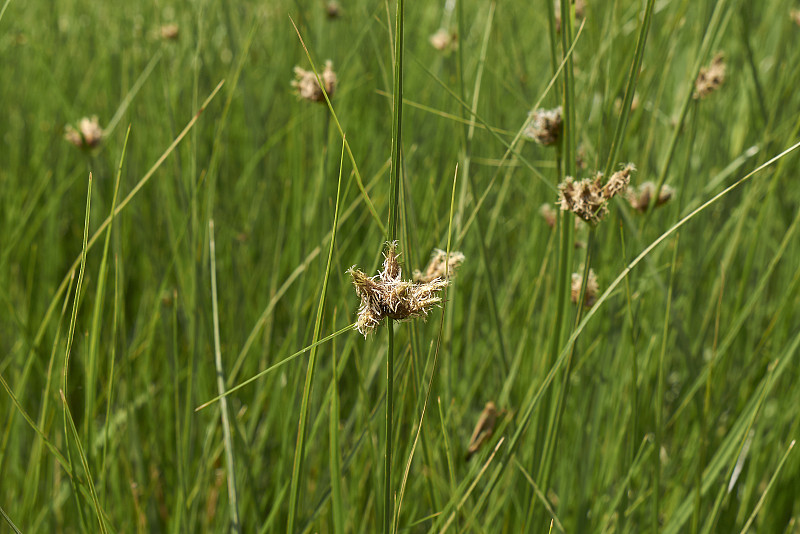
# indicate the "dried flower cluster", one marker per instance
pixel 87 135
pixel 640 199
pixel 307 86
pixel 710 78
pixel 587 199
pixel 333 10
pixel 483 430
pixel 580 11
pixel 581 157
pixel 443 40
pixel 545 126
pixel 388 295
pixel 589 293
pixel 440 262
pixel 169 32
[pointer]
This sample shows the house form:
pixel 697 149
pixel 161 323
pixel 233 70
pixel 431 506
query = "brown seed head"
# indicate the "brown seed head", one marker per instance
pixel 590 292
pixel 436 267
pixel 484 429
pixel 588 198
pixel 640 199
pixel 585 198
pixel 333 10
pixel 443 40
pixel 88 135
pixel 388 295
pixel 619 181
pixel 169 32
pixel 307 86
pixel 544 126
pixel 710 78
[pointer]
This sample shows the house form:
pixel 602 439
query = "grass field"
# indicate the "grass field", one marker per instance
pixel 178 343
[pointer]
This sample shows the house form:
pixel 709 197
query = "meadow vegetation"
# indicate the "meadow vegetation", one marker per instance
pixel 181 343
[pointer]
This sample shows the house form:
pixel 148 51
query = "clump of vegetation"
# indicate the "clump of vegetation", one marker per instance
pixel 588 198
pixel 388 295
pixel 710 78
pixel 87 135
pixel 544 126
pixel 308 87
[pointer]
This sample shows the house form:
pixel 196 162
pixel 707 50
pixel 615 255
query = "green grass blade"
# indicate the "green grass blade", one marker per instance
pixel 305 408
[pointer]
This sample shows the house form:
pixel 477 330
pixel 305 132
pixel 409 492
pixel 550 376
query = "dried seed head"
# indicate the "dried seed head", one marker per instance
pixel 584 198
pixel 795 15
pixel 436 267
pixel 548 213
pixel 587 199
pixel 580 11
pixel 307 87
pixel 590 292
pixel 391 267
pixel 483 430
pixel 169 32
pixel 619 181
pixel 544 126
pixel 581 157
pixel 443 40
pixel 710 78
pixel 333 10
pixel 88 135
pixel 640 199
pixel 388 295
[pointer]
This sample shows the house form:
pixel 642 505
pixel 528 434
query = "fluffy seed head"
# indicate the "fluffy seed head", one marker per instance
pixel 88 135
pixel 619 181
pixel 590 292
pixel 640 199
pixel 436 267
pixel 307 86
pixel 333 10
pixel 710 78
pixel 588 198
pixel 544 126
pixel 443 40
pixel 388 295
pixel 169 32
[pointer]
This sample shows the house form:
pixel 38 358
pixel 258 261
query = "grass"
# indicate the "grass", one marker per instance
pixel 201 372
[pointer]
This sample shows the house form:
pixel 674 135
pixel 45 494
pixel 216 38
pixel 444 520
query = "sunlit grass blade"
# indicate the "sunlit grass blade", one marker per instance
pixel 771 482
pixel 65 368
pixel 95 330
pixel 223 402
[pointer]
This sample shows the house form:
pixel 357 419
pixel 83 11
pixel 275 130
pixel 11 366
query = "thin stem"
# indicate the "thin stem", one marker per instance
pixel 394 201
